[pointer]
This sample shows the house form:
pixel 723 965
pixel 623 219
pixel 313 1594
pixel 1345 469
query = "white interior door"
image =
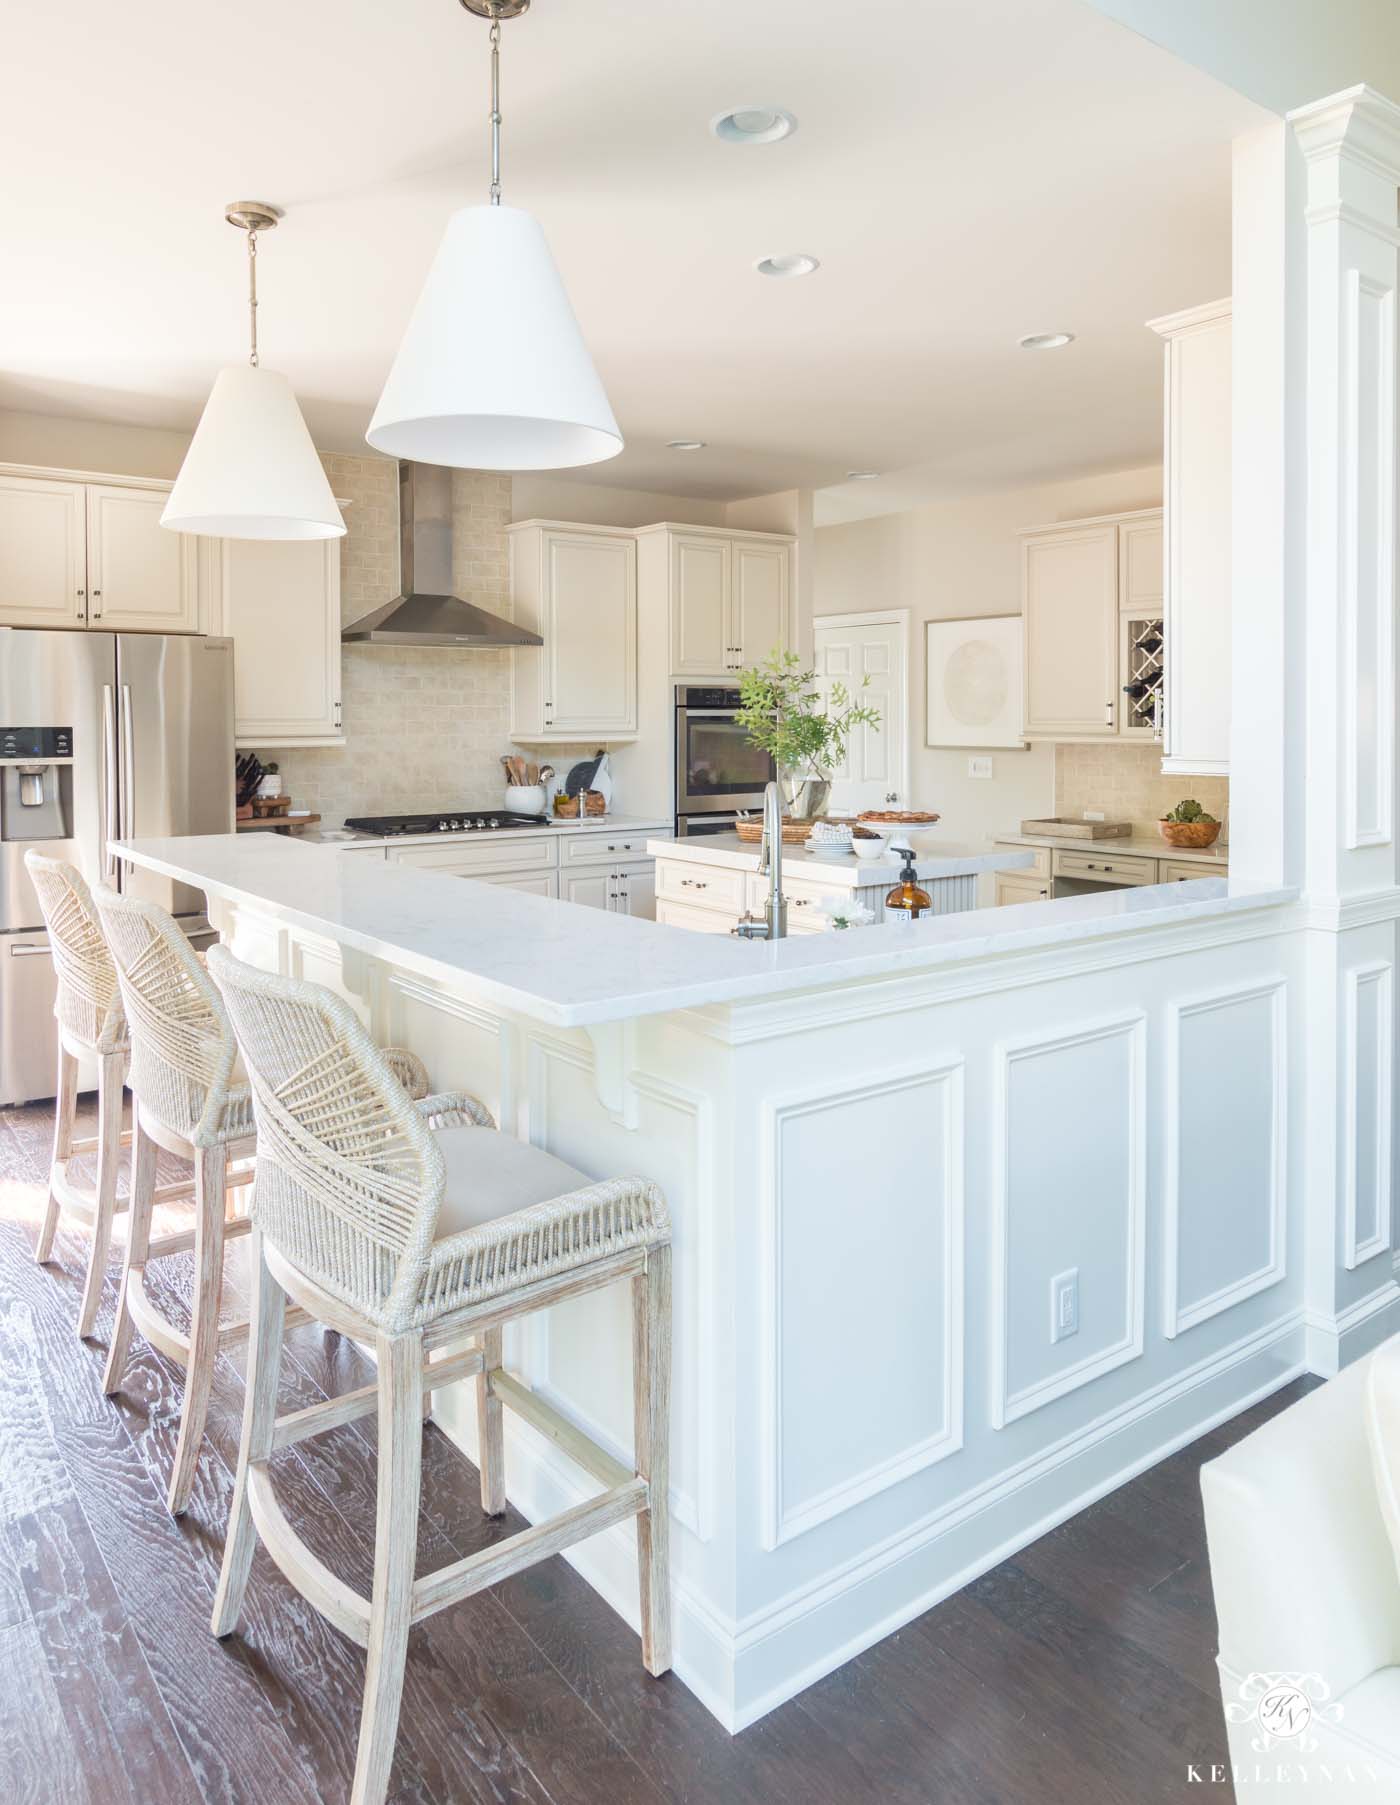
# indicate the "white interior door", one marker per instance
pixel 850 647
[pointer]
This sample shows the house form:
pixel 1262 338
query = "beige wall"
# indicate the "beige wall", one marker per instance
pixel 949 560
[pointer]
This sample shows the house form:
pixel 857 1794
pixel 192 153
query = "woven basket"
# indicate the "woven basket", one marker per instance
pixel 1194 835
pixel 795 833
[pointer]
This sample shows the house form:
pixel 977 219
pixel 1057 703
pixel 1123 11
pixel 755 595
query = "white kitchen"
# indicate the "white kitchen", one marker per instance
pixel 698 896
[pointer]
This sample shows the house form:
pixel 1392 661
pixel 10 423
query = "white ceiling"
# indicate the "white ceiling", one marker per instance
pixel 966 170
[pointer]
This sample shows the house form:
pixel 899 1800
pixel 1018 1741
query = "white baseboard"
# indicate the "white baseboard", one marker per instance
pixel 1335 1341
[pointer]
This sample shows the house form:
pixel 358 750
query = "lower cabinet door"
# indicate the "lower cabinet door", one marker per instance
pixel 636 890
pixel 590 889
pixel 1020 889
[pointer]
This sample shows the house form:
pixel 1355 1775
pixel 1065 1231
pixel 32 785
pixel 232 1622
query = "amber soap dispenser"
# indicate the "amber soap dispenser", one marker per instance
pixel 907 898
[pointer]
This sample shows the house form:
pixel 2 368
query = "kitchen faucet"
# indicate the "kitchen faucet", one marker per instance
pixel 772 924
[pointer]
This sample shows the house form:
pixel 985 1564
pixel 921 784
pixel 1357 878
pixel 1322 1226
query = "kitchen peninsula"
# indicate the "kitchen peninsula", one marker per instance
pixel 880 1148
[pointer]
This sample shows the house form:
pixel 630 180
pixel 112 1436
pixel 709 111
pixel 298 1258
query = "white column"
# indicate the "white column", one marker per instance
pixel 1339 675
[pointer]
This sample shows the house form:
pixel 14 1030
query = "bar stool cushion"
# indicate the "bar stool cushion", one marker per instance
pixel 490 1174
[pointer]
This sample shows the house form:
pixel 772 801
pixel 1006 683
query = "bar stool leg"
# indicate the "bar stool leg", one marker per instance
pixel 109 1138
pixel 140 1204
pixel 651 1387
pixel 65 1106
pixel 210 1172
pixel 259 1417
pixel 395 1545
pixel 490 1429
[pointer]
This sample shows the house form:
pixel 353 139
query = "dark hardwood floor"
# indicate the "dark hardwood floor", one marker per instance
pixel 1080 1671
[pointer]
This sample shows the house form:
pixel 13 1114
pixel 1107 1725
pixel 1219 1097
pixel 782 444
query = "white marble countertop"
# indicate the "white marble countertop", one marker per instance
pixel 1140 846
pixel 606 824
pixel 576 967
pixel 846 871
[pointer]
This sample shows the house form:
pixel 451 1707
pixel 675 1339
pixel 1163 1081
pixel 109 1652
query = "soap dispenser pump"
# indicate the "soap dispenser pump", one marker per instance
pixel 908 897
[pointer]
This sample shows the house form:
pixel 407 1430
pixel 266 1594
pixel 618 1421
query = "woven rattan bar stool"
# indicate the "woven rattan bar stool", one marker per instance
pixel 413 1227
pixel 88 1007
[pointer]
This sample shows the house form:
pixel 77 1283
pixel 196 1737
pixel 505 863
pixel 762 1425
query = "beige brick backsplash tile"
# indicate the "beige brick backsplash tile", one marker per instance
pixel 1125 781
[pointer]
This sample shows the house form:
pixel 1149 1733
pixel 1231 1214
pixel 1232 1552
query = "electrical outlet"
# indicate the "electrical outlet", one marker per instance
pixel 1064 1305
pixel 1093 814
pixel 979 767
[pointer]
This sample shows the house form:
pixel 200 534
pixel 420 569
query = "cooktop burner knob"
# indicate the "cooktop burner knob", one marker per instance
pixel 494 822
pixel 443 826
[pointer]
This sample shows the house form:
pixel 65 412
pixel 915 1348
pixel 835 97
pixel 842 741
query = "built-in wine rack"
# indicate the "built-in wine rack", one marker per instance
pixel 1144 672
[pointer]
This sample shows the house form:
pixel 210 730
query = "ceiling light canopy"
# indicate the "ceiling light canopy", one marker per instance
pixel 753 125
pixel 685 444
pixel 493 373
pixel 251 471
pixel 794 263
pixel 1045 341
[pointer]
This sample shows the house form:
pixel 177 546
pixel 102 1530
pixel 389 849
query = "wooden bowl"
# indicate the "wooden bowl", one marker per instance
pixel 1195 835
pixel 795 833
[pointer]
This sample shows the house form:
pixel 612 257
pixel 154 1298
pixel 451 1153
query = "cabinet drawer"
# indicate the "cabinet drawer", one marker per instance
pixel 601 849
pixel 1107 867
pixel 709 886
pixel 465 858
pixel 1041 855
pixel 1181 871
pixel 1012 888
pixel 804 898
pixel 700 921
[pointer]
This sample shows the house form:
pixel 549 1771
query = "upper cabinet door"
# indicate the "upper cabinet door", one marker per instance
pixel 141 578
pixel 700 609
pixel 282 611
pixel 1069 586
pixel 759 617
pixel 43 582
pixel 1141 584
pixel 589 624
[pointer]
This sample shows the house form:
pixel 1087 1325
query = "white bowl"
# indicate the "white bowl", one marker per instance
pixel 524 798
pixel 869 850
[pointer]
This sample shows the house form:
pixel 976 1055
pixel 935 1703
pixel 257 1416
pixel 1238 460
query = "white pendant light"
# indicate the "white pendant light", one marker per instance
pixel 251 471
pixel 493 373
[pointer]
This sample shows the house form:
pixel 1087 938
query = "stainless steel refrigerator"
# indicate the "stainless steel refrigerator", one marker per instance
pixel 102 736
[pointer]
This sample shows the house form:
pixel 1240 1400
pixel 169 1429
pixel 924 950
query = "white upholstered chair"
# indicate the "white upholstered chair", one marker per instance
pixel 413 1227
pixel 1308 1595
pixel 88 1008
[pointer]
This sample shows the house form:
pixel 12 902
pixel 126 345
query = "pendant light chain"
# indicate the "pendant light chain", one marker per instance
pixel 495 112
pixel 253 296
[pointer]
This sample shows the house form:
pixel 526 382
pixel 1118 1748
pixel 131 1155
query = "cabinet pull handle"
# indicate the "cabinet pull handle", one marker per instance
pixel 97 611
pixel 693 883
pixel 1109 707
pixel 82 597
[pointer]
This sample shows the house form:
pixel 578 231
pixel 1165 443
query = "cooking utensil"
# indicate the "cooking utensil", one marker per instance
pixel 581 777
pixel 507 767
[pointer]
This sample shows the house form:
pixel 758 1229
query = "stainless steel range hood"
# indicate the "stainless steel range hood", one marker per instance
pixel 427 613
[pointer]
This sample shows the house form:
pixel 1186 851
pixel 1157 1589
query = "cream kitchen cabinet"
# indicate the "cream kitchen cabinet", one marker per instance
pixel 1089 590
pixel 577 588
pixel 76 553
pixel 1015 887
pixel 622 889
pixel 727 596
pixel 279 601
pixel 1197 475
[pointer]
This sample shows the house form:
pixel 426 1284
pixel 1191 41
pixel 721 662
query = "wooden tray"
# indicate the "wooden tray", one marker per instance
pixel 795 833
pixel 1071 828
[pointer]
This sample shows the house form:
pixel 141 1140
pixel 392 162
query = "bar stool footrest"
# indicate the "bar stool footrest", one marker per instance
pixel 346 1608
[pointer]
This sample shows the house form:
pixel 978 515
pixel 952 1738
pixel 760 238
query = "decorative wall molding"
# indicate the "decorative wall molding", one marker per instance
pixel 1177 1318
pixel 1368 556
pixel 1376 977
pixel 1339 914
pixel 785 1517
pixel 1131 1027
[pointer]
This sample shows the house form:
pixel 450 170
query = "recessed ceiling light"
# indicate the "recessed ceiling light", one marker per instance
pixel 685 444
pixel 1045 341
pixel 861 476
pixel 753 125
pixel 796 264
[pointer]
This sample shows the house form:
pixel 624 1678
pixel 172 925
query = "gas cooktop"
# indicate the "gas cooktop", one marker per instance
pixel 458 821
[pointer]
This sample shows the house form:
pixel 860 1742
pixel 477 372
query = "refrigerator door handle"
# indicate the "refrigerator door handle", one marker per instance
pixel 127 766
pixel 109 785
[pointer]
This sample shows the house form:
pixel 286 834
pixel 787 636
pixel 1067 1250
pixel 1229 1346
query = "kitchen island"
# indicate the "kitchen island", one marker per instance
pixel 707 881
pixel 883 1150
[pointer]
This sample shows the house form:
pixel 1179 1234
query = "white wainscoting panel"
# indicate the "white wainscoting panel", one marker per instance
pixel 861 1224
pixel 1369 1033
pixel 1069 1189
pixel 1226 1149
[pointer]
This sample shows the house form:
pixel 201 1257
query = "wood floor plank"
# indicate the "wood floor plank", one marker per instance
pixel 39 1762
